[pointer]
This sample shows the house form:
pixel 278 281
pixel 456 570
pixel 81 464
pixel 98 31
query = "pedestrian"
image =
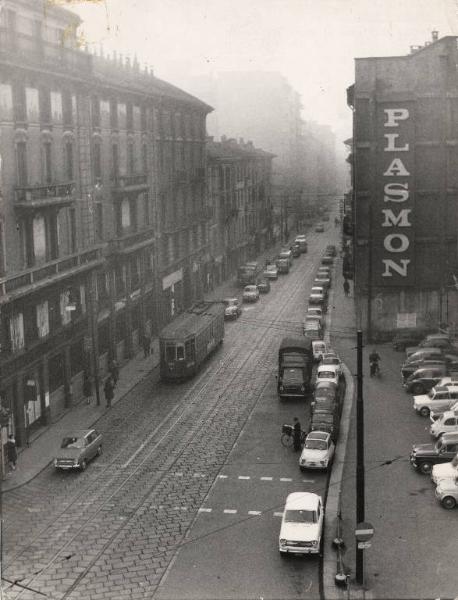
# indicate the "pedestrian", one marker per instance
pixel 114 371
pixel 146 343
pixel 108 389
pixel 346 287
pixel 87 389
pixel 297 434
pixel 11 451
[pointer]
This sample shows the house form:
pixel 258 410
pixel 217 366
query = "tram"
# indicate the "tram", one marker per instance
pixel 185 343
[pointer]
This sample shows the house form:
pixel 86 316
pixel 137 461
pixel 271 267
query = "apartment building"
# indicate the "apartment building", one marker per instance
pixel 103 216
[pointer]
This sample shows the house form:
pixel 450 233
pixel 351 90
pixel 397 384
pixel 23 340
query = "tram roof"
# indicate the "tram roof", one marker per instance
pixel 192 321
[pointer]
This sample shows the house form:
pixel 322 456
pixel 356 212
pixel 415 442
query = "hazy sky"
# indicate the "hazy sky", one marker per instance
pixel 312 42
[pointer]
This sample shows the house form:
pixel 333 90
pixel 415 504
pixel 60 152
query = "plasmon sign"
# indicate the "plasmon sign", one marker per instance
pixel 392 219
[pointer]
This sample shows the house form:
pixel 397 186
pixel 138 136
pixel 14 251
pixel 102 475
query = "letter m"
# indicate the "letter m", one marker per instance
pixel 399 220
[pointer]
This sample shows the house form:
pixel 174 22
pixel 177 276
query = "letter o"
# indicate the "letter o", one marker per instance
pixel 391 246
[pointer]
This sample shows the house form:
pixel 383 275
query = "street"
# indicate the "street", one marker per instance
pixel 185 501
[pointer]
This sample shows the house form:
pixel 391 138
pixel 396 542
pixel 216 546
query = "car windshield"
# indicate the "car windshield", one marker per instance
pixel 271 268
pixel 230 302
pixel 326 374
pixel 330 361
pixel 315 444
pixel 301 516
pixel 250 288
pixel 72 442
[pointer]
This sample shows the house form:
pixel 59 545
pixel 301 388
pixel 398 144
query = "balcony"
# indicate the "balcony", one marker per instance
pixel 42 195
pixel 21 48
pixel 130 243
pixel 22 283
pixel 130 183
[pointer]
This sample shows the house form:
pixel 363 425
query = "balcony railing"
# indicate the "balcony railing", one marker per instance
pixel 130 182
pixel 128 242
pixel 31 196
pixel 25 48
pixel 52 270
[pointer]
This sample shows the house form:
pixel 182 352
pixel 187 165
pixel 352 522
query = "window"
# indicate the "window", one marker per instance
pixel 45 106
pixel 146 215
pixel 72 215
pixel 115 161
pixel 95 111
pixel 129 116
pixel 19 102
pixel 21 160
pixel 67 108
pixel 47 160
pixel 144 159
pixel 69 160
pixel 98 221
pixel 143 119
pixel 130 158
pixel 97 160
pixel 113 114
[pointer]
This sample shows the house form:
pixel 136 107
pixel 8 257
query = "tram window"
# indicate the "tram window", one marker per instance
pixel 180 352
pixel 189 349
pixel 170 352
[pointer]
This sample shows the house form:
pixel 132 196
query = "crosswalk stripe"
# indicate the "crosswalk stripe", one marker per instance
pixel 266 478
pixel 278 514
pixel 285 479
pixel 254 512
pixel 230 511
pixel 244 477
pixel 205 510
pixel 222 476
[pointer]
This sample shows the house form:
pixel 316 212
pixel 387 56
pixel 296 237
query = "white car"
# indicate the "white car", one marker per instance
pixel 250 293
pixel 271 272
pixel 328 373
pixel 302 524
pixel 317 295
pixel 318 349
pixel 448 470
pixel 232 308
pixel 332 359
pixel 314 310
pixel 436 398
pixel 447 423
pixel 317 452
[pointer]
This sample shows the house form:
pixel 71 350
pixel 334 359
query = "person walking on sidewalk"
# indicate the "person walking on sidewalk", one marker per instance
pixel 108 390
pixel 87 389
pixel 346 287
pixel 146 343
pixel 114 371
pixel 11 452
pixel 297 434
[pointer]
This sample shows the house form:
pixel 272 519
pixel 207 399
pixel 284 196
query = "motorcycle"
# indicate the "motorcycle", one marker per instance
pixel 374 368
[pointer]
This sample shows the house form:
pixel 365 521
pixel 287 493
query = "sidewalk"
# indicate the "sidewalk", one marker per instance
pixel 37 456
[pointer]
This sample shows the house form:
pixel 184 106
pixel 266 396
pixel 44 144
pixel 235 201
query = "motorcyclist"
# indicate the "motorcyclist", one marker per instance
pixel 374 359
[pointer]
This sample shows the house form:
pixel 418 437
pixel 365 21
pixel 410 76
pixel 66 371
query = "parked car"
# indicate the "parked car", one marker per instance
pixel 315 310
pixel 447 423
pixel 319 228
pixel 318 295
pixel 331 249
pixel 295 250
pixel 447 493
pixel 324 421
pixel 326 389
pixel 424 353
pixel 286 253
pixel 318 348
pixel 264 286
pixel 325 270
pixel 422 380
pixel 302 524
pixel 436 413
pixel 424 456
pixel 78 448
pixel 328 373
pixel 318 451
pixel 317 320
pixel 408 369
pixel 447 470
pixel 323 281
pixel 282 265
pixel 436 398
pixel 271 272
pixel 250 293
pixel 403 340
pixel 233 309
pixel 301 240
pixel 332 359
pixel 433 341
pixel 327 259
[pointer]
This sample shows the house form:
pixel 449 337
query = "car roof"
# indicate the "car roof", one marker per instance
pixel 302 500
pixel 230 299
pixel 318 435
pixel 326 368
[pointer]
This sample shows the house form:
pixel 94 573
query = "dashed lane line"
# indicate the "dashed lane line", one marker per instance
pixel 249 478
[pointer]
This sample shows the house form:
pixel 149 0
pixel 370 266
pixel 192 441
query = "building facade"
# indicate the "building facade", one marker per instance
pixel 103 215
pixel 405 188
pixel 239 193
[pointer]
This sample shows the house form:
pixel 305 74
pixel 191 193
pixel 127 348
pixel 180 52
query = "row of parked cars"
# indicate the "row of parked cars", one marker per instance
pixel 430 374
pixel 318 299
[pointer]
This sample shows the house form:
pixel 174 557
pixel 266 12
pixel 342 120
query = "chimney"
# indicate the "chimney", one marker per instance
pixel 435 35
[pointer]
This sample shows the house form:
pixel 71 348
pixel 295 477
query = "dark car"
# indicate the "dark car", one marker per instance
pixel 78 448
pixel 424 353
pixel 424 379
pixel 424 456
pixel 264 286
pixel 295 250
pixel 325 422
pixel 433 341
pixel 408 369
pixel 331 249
pixel 319 228
pixel 403 340
pixel 327 259
pixel 325 405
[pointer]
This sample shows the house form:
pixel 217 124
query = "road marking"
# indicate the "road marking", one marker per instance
pixel 178 474
pixel 285 479
pixel 266 478
pixel 205 510
pixel 308 481
pixel 254 512
pixel 278 514
pixel 230 511
pixel 198 475
pixel 222 476
pixel 244 477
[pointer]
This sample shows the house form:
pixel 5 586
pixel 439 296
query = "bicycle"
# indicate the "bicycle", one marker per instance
pixel 287 436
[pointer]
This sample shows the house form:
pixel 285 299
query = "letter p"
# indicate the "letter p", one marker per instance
pixel 394 115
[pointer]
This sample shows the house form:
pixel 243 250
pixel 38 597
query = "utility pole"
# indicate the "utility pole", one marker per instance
pixel 359 454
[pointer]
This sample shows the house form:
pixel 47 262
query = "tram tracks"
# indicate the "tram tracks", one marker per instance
pixel 181 426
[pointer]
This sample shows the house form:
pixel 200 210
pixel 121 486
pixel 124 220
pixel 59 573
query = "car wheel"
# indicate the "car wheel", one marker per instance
pixel 425 468
pixel 99 451
pixel 448 502
pixel 417 389
pixel 83 465
pixel 424 411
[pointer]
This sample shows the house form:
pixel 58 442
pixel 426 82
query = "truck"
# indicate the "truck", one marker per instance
pixel 295 361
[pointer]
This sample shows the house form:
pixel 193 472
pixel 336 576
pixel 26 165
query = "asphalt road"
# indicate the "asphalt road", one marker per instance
pixel 185 500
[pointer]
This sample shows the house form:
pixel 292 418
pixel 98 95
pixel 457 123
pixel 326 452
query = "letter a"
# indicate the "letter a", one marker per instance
pixel 396 169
